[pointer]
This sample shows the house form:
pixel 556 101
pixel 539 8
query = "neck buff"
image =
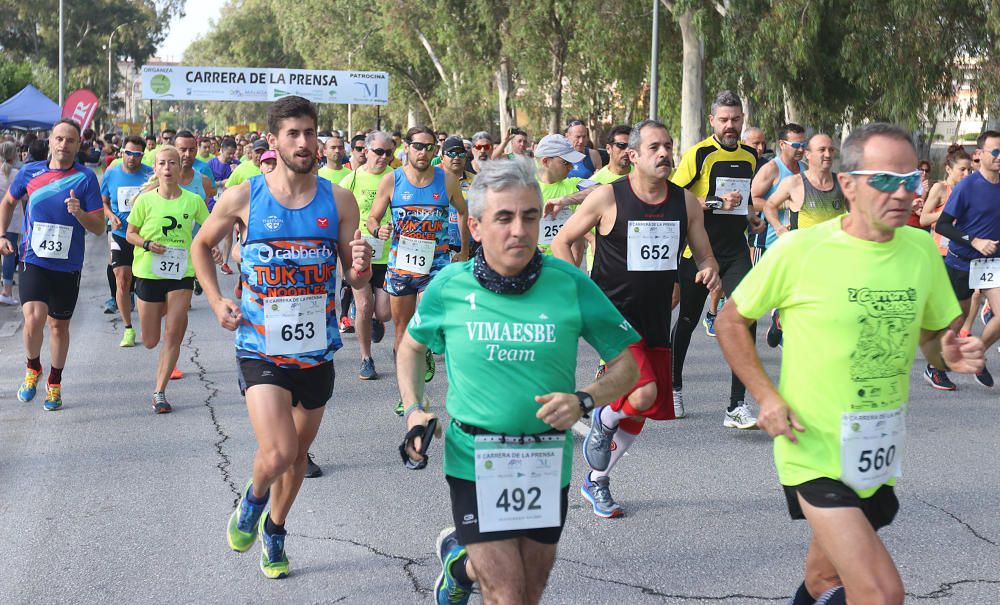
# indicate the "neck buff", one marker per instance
pixel 494 282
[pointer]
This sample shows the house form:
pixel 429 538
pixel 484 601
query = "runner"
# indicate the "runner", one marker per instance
pixel 971 222
pixel 864 292
pixel 517 316
pixel 119 188
pixel 371 301
pixel 718 172
pixel 250 167
pixel 286 325
pixel 160 227
pixel 517 138
pixel 812 198
pixel 333 150
pixel 190 178
pixel 482 145
pixel 63 200
pixel 166 138
pixel 419 195
pixel 454 164
pixel 619 160
pixel 643 221
pixel 205 153
pixel 8 159
pixel 584 168
pixel 756 138
pixel 555 157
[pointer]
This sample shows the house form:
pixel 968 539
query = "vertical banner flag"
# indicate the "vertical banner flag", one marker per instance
pixel 80 106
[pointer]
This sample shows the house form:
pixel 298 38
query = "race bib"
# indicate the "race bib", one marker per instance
pixel 172 264
pixel 550 226
pixel 378 246
pixel 725 184
pixel 518 485
pixel 49 240
pixel 415 255
pixel 871 447
pixel 984 273
pixel 125 197
pixel 295 324
pixel 653 245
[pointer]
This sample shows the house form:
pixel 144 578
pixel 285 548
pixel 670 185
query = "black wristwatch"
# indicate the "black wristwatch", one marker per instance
pixel 586 403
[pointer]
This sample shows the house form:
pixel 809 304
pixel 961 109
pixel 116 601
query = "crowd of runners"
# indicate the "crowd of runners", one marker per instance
pixel 501 255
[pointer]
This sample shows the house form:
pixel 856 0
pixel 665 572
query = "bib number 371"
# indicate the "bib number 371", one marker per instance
pixel 518 486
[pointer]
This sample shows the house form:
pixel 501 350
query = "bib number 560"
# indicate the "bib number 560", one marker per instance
pixel 302 331
pixel 876 459
pixel 516 500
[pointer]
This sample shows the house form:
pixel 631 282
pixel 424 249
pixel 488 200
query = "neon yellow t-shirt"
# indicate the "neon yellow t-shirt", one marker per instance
pixel 605 176
pixel 862 304
pixel 551 191
pixel 364 185
pixel 334 176
pixel 153 215
pixel 242 173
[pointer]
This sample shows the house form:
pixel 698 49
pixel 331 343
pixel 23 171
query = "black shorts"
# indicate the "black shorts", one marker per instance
pixel 378 276
pixel 155 290
pixel 880 508
pixel 959 282
pixel 312 387
pixel 58 289
pixel 122 252
pixel 465 512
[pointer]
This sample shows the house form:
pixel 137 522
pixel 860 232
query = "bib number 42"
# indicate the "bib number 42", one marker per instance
pixel 517 500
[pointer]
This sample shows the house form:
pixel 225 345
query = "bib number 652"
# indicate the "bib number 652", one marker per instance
pixel 876 459
pixel 301 331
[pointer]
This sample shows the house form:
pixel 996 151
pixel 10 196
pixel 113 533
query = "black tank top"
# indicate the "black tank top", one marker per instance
pixel 642 294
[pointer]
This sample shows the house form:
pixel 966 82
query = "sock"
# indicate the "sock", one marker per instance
pixel 611 418
pixel 273 528
pixel 459 572
pixel 709 314
pixel 55 375
pixel 128 326
pixel 834 596
pixel 112 285
pixel 622 441
pixel 734 404
pixel 802 596
pixel 35 364
pixel 255 500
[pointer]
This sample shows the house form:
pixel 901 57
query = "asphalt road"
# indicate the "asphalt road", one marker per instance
pixel 106 502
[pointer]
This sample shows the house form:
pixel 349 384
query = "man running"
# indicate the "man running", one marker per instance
pixel 454 164
pixel 755 137
pixel 578 136
pixel 190 178
pixel 64 199
pixel 419 195
pixel 482 144
pixel 517 138
pixel 619 160
pixel 718 171
pixel 971 222
pixel 371 301
pixel 286 324
pixel 357 151
pixel 119 188
pixel 863 292
pixel 250 167
pixel 643 222
pixel 555 157
pixel 333 150
pixel 517 316
pixel 812 198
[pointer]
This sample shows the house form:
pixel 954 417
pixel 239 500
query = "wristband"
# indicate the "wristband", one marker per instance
pixel 365 272
pixel 145 245
pixel 409 409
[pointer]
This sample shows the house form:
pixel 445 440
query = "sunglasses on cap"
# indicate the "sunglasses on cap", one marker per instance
pixel 573 123
pixel 794 145
pixel 887 182
pixel 454 153
pixel 132 154
pixel 422 146
pixel 619 144
pixel 381 152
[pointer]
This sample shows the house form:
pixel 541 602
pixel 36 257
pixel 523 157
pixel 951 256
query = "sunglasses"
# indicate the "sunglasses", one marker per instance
pixel 455 154
pixel 381 152
pixel 619 144
pixel 132 154
pixel 359 149
pixel 484 147
pixel 994 153
pixel 422 146
pixel 796 146
pixel 888 182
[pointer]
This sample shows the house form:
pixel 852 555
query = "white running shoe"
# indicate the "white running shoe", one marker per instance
pixel 678 404
pixel 740 418
pixel 8 300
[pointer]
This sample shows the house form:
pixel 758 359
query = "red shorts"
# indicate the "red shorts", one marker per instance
pixel 654 367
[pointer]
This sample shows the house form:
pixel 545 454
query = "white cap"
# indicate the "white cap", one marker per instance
pixel 557 146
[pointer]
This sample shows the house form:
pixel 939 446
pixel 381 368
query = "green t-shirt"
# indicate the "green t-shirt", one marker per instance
pixel 153 215
pixel 364 185
pixel 503 350
pixel 149 155
pixel 862 304
pixel 334 176
pixel 242 173
pixel 436 160
pixel 550 226
pixel 605 176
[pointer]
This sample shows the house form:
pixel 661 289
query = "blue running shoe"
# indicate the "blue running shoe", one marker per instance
pixel 53 398
pixel 273 561
pixel 26 392
pixel 242 528
pixel 709 323
pixel 378 331
pixel 598 493
pixel 448 590
pixel 597 444
pixel 985 314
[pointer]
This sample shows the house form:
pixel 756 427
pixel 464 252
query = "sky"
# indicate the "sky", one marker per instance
pixel 183 31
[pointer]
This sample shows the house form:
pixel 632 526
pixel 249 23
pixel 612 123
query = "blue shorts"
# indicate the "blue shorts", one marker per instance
pixel 398 284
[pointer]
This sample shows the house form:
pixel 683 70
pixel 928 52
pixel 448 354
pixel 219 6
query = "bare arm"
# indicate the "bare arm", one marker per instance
pixel 943 349
pixel 209 186
pixel 595 158
pixel 599 201
pixel 355 253
pixel 498 151
pixel 932 209
pixel 383 196
pixel 554 205
pixel 230 210
pixel 761 184
pixel 781 196
pixel 701 246
pixel 6 212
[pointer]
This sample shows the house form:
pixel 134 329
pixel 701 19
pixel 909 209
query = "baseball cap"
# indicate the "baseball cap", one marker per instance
pixel 452 143
pixel 557 146
pixel 269 155
pixel 260 145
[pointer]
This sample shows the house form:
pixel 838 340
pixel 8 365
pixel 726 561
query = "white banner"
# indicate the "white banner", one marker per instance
pixel 183 83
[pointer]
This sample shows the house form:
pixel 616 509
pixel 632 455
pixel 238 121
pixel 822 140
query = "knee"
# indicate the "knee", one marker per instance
pixel 643 398
pixel 817 583
pixel 280 458
pixel 891 593
pixel 150 341
pixel 58 329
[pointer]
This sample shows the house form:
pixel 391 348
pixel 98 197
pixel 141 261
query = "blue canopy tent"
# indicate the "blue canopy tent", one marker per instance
pixel 29 110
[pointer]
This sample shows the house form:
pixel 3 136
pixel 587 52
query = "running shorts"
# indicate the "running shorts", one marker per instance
pixel 155 290
pixel 880 508
pixel 122 252
pixel 312 387
pixel 465 512
pixel 654 367
pixel 57 289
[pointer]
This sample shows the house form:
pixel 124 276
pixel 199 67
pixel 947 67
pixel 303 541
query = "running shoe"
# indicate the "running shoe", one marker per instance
pixel 602 369
pixel 984 377
pixel 197 288
pixel 678 404
pixel 598 493
pixel 938 379
pixel 431 367
pixel 740 418
pixel 597 443
pixel 346 327
pixel 128 339
pixel 225 268
pixel 26 392
pixel 367 371
pixel 774 331
pixel 176 374
pixel 312 469
pixel 709 323
pixel 242 528
pixel 160 405
pixel 985 314
pixel 378 330
pixel 722 303
pixel 53 398
pixel 8 300
pixel 110 307
pixel 447 589
pixel 273 561
pixel 399 409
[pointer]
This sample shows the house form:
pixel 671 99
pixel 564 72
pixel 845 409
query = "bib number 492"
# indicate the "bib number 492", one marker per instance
pixel 876 459
pixel 516 499
pixel 301 331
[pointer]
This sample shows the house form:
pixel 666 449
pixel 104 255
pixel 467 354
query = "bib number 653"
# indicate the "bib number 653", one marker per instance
pixel 301 331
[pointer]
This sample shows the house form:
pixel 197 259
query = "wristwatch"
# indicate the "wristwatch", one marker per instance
pixel 586 403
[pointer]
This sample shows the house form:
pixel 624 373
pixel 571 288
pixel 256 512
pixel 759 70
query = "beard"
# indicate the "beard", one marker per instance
pixel 290 162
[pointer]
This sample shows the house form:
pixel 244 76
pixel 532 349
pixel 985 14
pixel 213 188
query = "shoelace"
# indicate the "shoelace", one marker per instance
pixel 53 393
pixel 160 398
pixel 602 493
pixel 275 545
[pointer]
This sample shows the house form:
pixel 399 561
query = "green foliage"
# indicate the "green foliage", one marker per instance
pixel 13 77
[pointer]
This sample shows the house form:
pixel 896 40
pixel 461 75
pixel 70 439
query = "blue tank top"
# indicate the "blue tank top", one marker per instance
pixel 584 168
pixel 289 275
pixel 196 186
pixel 420 225
pixel 770 236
